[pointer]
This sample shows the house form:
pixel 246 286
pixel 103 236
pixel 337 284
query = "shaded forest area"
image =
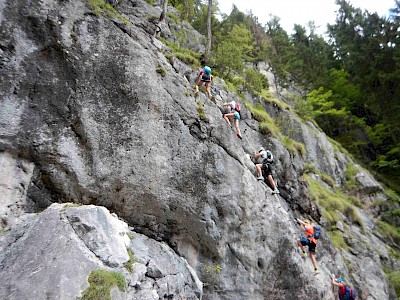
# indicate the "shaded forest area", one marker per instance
pixel 348 83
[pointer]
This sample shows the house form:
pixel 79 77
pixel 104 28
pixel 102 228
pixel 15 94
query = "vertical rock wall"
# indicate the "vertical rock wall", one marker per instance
pixel 88 112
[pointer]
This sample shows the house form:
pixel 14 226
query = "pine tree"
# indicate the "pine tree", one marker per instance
pixel 234 50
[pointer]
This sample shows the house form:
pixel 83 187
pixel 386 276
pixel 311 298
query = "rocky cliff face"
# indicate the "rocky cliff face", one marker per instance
pixel 51 255
pixel 93 112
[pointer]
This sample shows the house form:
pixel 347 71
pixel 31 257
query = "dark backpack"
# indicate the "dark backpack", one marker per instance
pixel 270 157
pixel 317 232
pixel 205 77
pixel 347 293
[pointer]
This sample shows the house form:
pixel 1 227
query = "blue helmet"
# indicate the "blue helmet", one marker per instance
pixel 340 280
pixel 207 69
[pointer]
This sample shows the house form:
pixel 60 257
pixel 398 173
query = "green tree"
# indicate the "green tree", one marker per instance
pixel 249 21
pixel 310 59
pixel 255 81
pixel 234 50
pixel 367 47
pixel 260 40
pixel 344 93
pixel 334 121
pixel 199 20
pixel 278 52
pixel 188 8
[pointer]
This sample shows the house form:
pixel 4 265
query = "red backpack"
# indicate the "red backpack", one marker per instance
pixel 237 107
pixel 347 293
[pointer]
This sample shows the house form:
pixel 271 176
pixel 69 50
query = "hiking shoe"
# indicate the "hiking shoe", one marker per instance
pixel 260 178
pixel 276 191
pixel 304 254
pixel 239 136
pixel 316 271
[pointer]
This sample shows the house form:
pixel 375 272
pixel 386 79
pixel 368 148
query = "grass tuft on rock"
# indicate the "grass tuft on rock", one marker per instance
pixel 394 279
pixel 390 232
pixel 351 183
pixel 267 125
pixel 210 274
pixel 267 96
pixel 174 18
pixel 101 282
pixel 201 111
pixel 186 55
pixel 129 264
pixel 337 239
pixel 332 201
pixel 160 70
pixel 99 6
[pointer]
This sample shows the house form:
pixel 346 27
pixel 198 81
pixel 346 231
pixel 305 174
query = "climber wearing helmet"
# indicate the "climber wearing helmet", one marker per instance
pixel 309 241
pixel 205 77
pixel 265 167
pixel 233 114
pixel 345 292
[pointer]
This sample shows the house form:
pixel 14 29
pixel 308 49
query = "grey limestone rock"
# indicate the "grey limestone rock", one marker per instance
pixel 46 259
pixel 15 178
pixel 51 255
pixel 86 117
pixel 368 184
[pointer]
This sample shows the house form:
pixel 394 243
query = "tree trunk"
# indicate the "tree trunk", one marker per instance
pixel 162 17
pixel 208 44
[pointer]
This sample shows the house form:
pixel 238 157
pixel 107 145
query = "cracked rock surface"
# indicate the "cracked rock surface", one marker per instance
pixel 50 256
pixel 85 117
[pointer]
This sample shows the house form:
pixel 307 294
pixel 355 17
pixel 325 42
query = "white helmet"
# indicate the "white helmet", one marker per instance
pixel 261 149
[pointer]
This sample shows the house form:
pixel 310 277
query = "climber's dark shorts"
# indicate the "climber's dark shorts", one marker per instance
pixel 267 169
pixel 310 244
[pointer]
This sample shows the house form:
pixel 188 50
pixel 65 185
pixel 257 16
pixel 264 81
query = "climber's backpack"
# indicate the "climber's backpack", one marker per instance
pixel 206 77
pixel 237 107
pixel 317 232
pixel 347 293
pixel 270 157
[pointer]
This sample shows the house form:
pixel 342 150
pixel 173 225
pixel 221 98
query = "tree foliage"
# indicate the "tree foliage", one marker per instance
pixel 310 58
pixel 367 47
pixel 255 81
pixel 234 50
pixel 278 52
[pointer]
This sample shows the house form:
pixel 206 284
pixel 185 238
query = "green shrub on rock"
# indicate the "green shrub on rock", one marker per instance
pixel 101 282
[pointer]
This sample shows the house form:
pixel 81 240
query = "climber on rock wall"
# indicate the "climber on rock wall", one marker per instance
pixel 265 167
pixel 235 115
pixel 205 77
pixel 309 241
pixel 345 292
